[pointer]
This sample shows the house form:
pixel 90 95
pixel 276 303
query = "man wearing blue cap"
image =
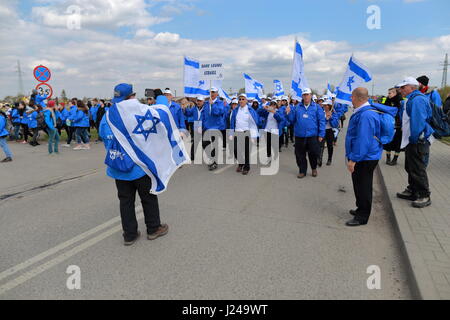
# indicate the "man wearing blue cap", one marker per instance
pixel 128 181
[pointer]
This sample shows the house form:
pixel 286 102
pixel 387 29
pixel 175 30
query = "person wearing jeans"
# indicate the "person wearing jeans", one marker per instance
pixel 3 135
pixel 81 122
pixel 53 135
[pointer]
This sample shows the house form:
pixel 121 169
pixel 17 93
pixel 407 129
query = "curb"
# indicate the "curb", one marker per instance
pixel 422 286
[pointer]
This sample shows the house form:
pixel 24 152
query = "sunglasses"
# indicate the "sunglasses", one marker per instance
pixel 241 99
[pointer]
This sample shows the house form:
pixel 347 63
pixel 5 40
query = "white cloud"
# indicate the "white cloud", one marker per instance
pixel 89 62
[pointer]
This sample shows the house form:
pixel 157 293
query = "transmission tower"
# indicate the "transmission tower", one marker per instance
pixel 19 71
pixel 444 72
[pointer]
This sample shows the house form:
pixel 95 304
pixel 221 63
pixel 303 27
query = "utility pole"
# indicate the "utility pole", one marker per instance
pixel 444 72
pixel 19 71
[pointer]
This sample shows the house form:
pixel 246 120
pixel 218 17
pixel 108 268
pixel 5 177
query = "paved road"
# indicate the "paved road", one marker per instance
pixel 231 236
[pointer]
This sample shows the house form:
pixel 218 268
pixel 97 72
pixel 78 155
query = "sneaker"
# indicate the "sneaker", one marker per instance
pixel 7 159
pixel 421 202
pixel 406 195
pixel 212 167
pixel 329 162
pixel 130 242
pixel 301 175
pixel 78 147
pixel 24 142
pixel 86 147
pixel 314 173
pixel 66 145
pixel 162 230
pixel 239 168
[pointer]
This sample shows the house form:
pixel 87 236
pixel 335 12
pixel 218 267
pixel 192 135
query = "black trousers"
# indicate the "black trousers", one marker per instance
pixel 303 146
pixel 26 131
pixel 126 191
pixel 329 139
pixel 416 167
pixel 269 143
pixel 362 178
pixel 206 143
pixel 70 134
pixel 243 138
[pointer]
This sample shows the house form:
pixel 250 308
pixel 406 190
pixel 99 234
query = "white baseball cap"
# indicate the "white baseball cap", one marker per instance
pixel 234 101
pixel 167 91
pixel 201 98
pixel 408 81
pixel 284 98
pixel 243 95
pixel 328 102
pixel 263 96
pixel 214 89
pixel 306 91
pixel 314 97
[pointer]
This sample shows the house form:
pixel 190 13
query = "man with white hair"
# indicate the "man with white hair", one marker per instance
pixel 419 112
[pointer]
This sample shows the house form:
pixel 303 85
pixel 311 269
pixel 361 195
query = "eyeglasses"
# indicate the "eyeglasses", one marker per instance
pixel 241 99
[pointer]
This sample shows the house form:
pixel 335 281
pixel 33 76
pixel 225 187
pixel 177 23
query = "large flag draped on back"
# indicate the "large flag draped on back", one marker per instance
pixel 150 137
pixel 278 88
pixel 253 88
pixel 355 76
pixel 193 86
pixel 299 82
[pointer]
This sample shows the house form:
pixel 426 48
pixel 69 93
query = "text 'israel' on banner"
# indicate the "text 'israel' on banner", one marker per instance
pixel 356 74
pixel 253 88
pixel 299 82
pixel 193 86
pixel 150 137
pixel 278 88
pixel 211 71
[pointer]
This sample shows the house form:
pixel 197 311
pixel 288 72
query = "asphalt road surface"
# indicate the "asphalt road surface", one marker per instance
pixel 230 236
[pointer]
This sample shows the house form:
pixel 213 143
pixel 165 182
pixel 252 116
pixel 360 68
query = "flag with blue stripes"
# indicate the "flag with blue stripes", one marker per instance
pixel 299 82
pixel 151 138
pixel 253 88
pixel 278 88
pixel 193 86
pixel 356 75
pixel 329 91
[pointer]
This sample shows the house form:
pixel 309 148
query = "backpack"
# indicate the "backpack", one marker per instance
pixel 439 122
pixel 117 158
pixel 41 121
pixel 387 126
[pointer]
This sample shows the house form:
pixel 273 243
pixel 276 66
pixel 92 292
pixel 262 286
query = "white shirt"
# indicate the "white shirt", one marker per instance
pixel 364 105
pixel 272 123
pixel 243 119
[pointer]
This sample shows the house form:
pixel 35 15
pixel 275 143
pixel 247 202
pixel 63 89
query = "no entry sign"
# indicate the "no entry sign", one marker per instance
pixel 42 73
pixel 44 89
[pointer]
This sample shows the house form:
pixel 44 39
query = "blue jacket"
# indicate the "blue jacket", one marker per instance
pixel 72 114
pixel 279 116
pixel 308 123
pixel 226 112
pixel 24 118
pixel 49 120
pixel 254 116
pixel 106 134
pixel 435 97
pixel 364 126
pixel 212 115
pixel 418 109
pixel 178 115
pixel 341 109
pixel 64 114
pixel 93 111
pixel 334 120
pixel 3 131
pixel 15 116
pixel 81 119
pixel 32 120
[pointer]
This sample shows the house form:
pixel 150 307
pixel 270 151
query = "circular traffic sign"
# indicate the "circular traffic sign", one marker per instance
pixel 42 73
pixel 44 89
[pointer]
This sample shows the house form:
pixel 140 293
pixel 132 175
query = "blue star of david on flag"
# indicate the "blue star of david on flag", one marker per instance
pixel 140 128
pixel 201 83
pixel 349 83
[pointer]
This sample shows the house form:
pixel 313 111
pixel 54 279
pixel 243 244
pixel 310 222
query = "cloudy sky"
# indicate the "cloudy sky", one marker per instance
pixel 143 41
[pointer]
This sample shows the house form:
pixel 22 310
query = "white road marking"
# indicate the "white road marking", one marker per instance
pixel 59 247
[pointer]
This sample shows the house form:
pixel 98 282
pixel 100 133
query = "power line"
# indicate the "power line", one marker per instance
pixel 444 72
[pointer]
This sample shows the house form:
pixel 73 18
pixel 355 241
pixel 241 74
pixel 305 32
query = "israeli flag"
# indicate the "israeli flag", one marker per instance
pixel 354 77
pixel 150 137
pixel 193 86
pixel 278 88
pixel 299 82
pixel 253 88
pixel 329 91
pixel 222 92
